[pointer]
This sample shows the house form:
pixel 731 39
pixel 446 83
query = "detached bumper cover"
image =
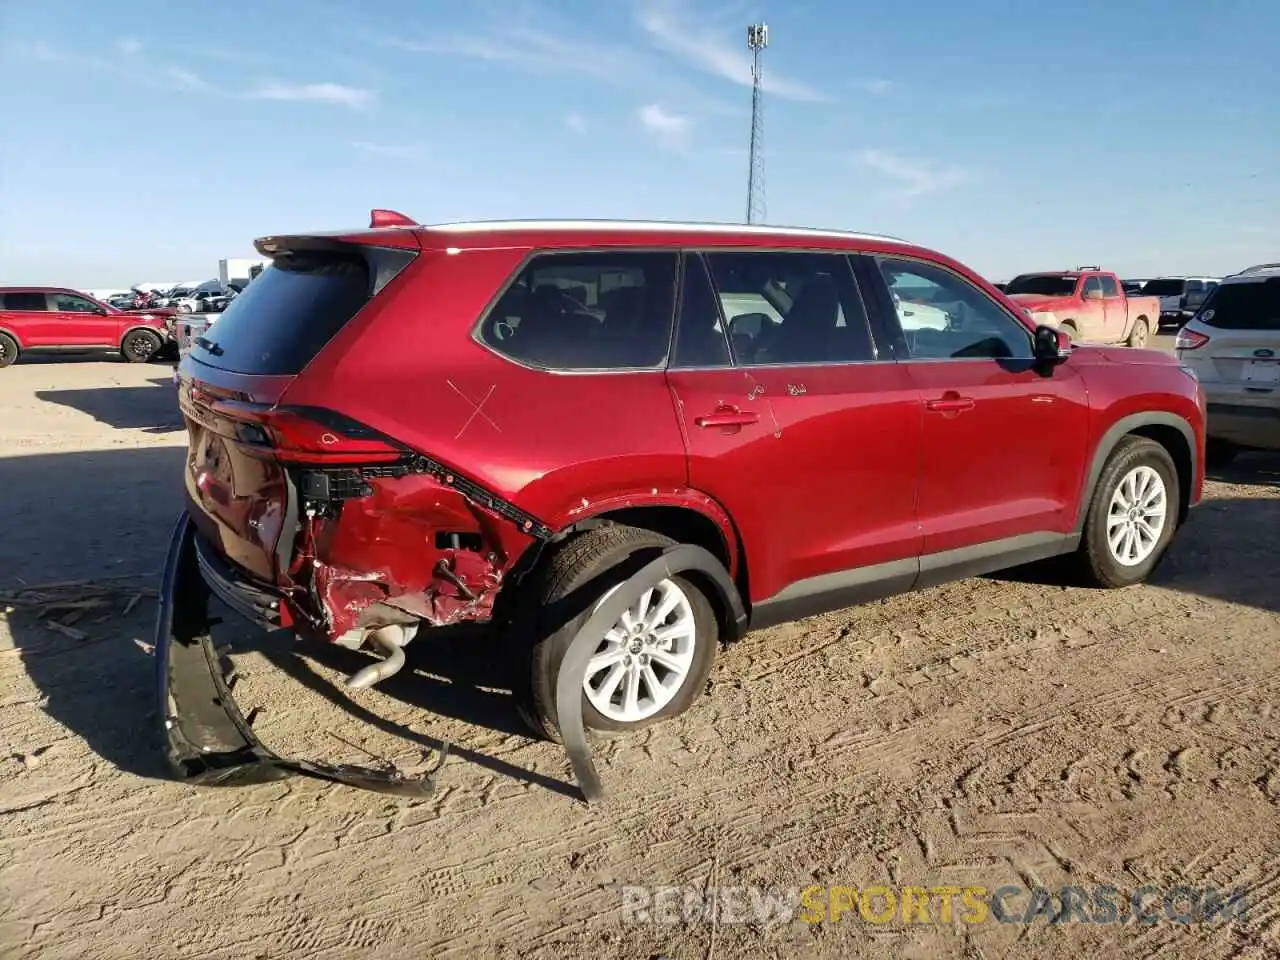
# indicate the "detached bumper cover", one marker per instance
pixel 207 740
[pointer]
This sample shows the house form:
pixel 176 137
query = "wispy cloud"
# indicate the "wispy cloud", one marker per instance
pixel 527 46
pixel 914 178
pixel 877 87
pixel 534 38
pixel 393 151
pixel 576 122
pixel 337 94
pixel 711 47
pixel 152 75
pixel 187 80
pixel 671 130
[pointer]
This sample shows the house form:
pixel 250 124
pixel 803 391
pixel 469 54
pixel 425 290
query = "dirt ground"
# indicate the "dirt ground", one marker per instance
pixel 990 732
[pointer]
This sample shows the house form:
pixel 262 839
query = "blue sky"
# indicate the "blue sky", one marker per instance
pixel 146 139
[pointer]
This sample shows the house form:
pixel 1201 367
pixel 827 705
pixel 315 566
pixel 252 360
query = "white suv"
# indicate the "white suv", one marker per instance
pixel 1232 345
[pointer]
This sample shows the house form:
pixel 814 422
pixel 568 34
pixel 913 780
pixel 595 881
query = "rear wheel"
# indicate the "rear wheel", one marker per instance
pixel 650 666
pixel 139 346
pixel 1138 335
pixel 1132 516
pixel 8 350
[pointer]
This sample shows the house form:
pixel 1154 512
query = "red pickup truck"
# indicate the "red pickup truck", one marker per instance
pixel 55 318
pixel 1089 304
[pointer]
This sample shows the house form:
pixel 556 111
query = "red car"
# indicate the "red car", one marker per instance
pixel 687 430
pixel 34 318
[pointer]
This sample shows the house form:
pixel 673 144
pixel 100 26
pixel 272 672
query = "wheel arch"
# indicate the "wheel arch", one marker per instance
pixel 1169 430
pixel 687 517
pixel 134 328
pixel 13 335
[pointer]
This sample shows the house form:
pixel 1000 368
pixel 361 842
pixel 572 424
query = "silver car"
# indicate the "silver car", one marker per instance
pixel 1232 345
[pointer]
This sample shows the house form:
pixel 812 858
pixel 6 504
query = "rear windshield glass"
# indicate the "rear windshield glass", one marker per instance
pixel 1042 285
pixel 1243 306
pixel 1163 288
pixel 287 314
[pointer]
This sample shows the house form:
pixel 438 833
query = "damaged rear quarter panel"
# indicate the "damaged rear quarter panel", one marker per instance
pixel 395 546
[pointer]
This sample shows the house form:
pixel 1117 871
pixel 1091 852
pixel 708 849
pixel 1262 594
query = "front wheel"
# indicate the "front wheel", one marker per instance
pixel 8 350
pixel 139 346
pixel 649 667
pixel 1138 335
pixel 1132 516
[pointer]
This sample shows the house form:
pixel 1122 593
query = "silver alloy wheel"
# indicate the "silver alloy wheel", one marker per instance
pixel 1136 518
pixel 645 658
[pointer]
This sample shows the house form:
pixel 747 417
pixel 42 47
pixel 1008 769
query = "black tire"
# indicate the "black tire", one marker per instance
pixel 1219 453
pixel 1140 333
pixel 554 607
pixel 141 346
pixel 8 350
pixel 1096 563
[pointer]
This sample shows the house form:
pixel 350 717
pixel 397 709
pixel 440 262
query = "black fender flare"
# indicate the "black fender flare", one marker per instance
pixel 1107 444
pixel 677 559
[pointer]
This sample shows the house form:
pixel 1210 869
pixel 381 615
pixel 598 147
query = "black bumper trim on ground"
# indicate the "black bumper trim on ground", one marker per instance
pixel 207 740
pixel 682 558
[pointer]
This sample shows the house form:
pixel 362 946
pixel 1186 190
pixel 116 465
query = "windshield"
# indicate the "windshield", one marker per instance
pixel 1043 285
pixel 1243 306
pixel 1163 288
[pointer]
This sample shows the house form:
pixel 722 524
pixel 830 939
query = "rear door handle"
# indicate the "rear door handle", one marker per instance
pixel 727 418
pixel 951 403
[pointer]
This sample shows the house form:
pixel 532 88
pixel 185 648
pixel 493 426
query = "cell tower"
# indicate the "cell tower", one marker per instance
pixel 757 40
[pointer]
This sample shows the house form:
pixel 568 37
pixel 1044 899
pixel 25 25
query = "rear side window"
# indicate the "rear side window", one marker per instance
pixel 785 308
pixel 586 311
pixel 1243 306
pixel 26 302
pixel 297 305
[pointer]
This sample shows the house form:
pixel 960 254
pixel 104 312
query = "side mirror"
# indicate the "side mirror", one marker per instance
pixel 1051 344
pixel 100 311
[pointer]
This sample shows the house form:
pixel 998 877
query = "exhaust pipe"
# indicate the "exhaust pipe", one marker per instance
pixel 386 640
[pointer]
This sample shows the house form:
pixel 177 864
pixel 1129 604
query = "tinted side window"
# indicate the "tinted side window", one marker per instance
pixel 946 317
pixel 1109 287
pixel 587 311
pixel 700 330
pixel 1092 285
pixel 68 303
pixel 791 308
pixel 26 302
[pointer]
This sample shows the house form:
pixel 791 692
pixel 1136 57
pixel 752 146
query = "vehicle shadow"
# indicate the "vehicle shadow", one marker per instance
pixel 93 529
pixel 95 523
pixel 1226 551
pixel 454 672
pixel 152 409
pixel 1260 468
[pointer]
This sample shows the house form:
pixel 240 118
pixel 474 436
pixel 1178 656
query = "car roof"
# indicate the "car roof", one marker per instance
pixel 570 233
pixel 723 230
pixel 30 289
pixel 1255 274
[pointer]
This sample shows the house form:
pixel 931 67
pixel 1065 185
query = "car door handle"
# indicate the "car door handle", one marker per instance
pixel 951 403
pixel 727 418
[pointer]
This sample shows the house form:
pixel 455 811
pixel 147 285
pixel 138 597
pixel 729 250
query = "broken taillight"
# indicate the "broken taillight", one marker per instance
pixel 307 434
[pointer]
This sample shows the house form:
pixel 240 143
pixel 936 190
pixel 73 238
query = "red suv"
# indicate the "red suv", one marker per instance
pixel 54 317
pixel 405 427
